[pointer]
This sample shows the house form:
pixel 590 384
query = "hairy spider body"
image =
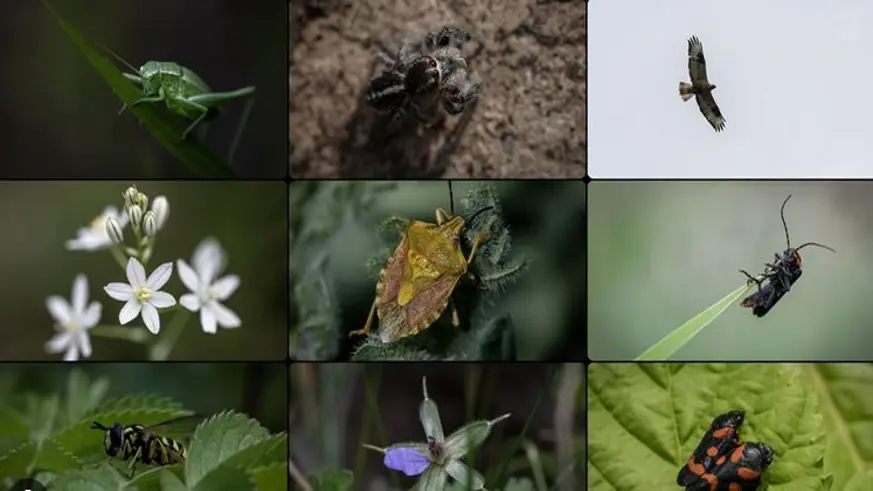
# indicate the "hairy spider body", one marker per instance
pixel 421 77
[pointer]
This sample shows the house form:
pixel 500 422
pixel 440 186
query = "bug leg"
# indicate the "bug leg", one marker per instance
pixel 455 97
pixel 158 98
pixel 752 280
pixel 476 240
pixel 204 111
pixel 456 319
pixel 366 329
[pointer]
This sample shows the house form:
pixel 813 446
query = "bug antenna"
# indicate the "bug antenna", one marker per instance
pixel 97 426
pixel 128 65
pixel 451 199
pixel 785 225
pixel 814 244
pixel 479 212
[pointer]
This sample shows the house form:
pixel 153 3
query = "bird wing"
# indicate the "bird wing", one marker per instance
pixel 696 62
pixel 710 110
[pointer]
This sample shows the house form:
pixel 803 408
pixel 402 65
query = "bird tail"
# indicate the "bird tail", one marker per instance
pixel 685 91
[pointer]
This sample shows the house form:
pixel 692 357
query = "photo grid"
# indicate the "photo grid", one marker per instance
pixel 360 246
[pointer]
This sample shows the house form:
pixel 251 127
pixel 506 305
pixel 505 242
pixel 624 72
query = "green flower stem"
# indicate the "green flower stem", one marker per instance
pixel 161 349
pixel 119 256
pixel 132 334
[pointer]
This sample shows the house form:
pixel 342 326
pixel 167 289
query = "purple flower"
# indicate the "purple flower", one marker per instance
pixel 406 460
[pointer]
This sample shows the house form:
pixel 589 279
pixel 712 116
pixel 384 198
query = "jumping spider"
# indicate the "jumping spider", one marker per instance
pixel 422 76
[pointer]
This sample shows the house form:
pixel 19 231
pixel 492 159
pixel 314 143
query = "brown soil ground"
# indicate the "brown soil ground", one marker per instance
pixel 528 122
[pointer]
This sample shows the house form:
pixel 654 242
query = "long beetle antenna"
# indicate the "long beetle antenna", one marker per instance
pixel 788 241
pixel 785 225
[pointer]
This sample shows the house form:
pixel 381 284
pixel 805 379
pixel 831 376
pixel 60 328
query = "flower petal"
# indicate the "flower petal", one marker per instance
pixel 469 436
pixel 59 309
pixel 430 416
pixel 209 260
pixel 84 343
pixel 71 354
pixel 119 291
pixel 190 301
pixel 433 479
pixel 406 460
pixel 226 318
pixel 162 300
pixel 461 473
pixel 225 287
pixel 79 298
pixel 136 276
pixel 151 318
pixel 160 276
pixel 57 343
pixel 187 275
pixel 92 315
pixel 129 312
pixel 207 321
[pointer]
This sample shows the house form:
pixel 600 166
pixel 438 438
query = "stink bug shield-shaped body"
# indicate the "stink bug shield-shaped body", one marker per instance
pixel 779 276
pixel 416 284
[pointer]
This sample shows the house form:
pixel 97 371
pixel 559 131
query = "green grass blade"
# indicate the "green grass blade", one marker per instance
pixel 673 342
pixel 199 159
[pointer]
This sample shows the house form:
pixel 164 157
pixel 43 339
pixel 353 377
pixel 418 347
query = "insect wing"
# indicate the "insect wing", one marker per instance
pixel 406 460
pixel 178 427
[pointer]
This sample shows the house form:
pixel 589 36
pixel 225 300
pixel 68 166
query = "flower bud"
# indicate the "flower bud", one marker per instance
pixel 113 229
pixel 134 212
pixel 149 224
pixel 161 209
pixel 130 195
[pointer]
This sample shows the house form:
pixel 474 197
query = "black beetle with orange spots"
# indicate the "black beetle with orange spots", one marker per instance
pixel 722 437
pixel 741 471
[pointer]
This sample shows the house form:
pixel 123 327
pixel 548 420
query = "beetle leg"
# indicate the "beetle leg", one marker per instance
pixel 476 240
pixel 752 279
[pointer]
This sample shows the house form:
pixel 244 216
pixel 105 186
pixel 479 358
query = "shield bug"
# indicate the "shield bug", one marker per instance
pixel 416 284
pixel 779 276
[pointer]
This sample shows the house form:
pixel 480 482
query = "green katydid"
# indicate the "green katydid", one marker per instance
pixel 183 91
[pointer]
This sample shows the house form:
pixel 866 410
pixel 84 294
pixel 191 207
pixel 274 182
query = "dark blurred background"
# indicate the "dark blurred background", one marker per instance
pixel 662 252
pixel 60 116
pixel 331 416
pixel 546 224
pixel 249 219
pixel 257 389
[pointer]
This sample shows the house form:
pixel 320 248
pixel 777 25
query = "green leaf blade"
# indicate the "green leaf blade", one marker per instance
pixel 679 337
pixel 219 439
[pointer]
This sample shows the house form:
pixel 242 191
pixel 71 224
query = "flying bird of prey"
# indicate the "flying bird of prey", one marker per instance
pixel 700 87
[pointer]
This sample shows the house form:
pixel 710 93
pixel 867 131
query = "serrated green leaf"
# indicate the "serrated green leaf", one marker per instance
pixel 13 424
pixel 199 159
pixel 148 478
pixel 271 478
pixel 171 482
pixel 333 480
pixel 224 478
pixel 644 421
pixel 82 395
pixel 271 450
pixel 217 440
pixel 99 479
pixel 673 342
pixel 29 456
pixel 847 403
pixel 134 402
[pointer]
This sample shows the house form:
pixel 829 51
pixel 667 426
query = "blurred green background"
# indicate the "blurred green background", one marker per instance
pixel 61 116
pixel 662 252
pixel 249 219
pixel 257 389
pixel 546 223
pixel 338 406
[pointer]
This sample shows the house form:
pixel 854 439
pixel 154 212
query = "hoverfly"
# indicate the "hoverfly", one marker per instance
pixel 145 444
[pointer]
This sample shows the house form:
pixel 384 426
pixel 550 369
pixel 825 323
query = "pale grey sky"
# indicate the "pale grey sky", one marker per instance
pixel 794 77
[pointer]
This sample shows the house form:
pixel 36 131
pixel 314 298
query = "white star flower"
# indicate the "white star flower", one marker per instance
pixel 143 294
pixel 73 321
pixel 95 237
pixel 209 261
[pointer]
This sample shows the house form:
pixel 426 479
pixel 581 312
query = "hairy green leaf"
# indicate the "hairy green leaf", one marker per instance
pixel 192 153
pixel 847 404
pixel 271 478
pixel 333 480
pixel 224 478
pixel 645 420
pixel 217 440
pixel 99 479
